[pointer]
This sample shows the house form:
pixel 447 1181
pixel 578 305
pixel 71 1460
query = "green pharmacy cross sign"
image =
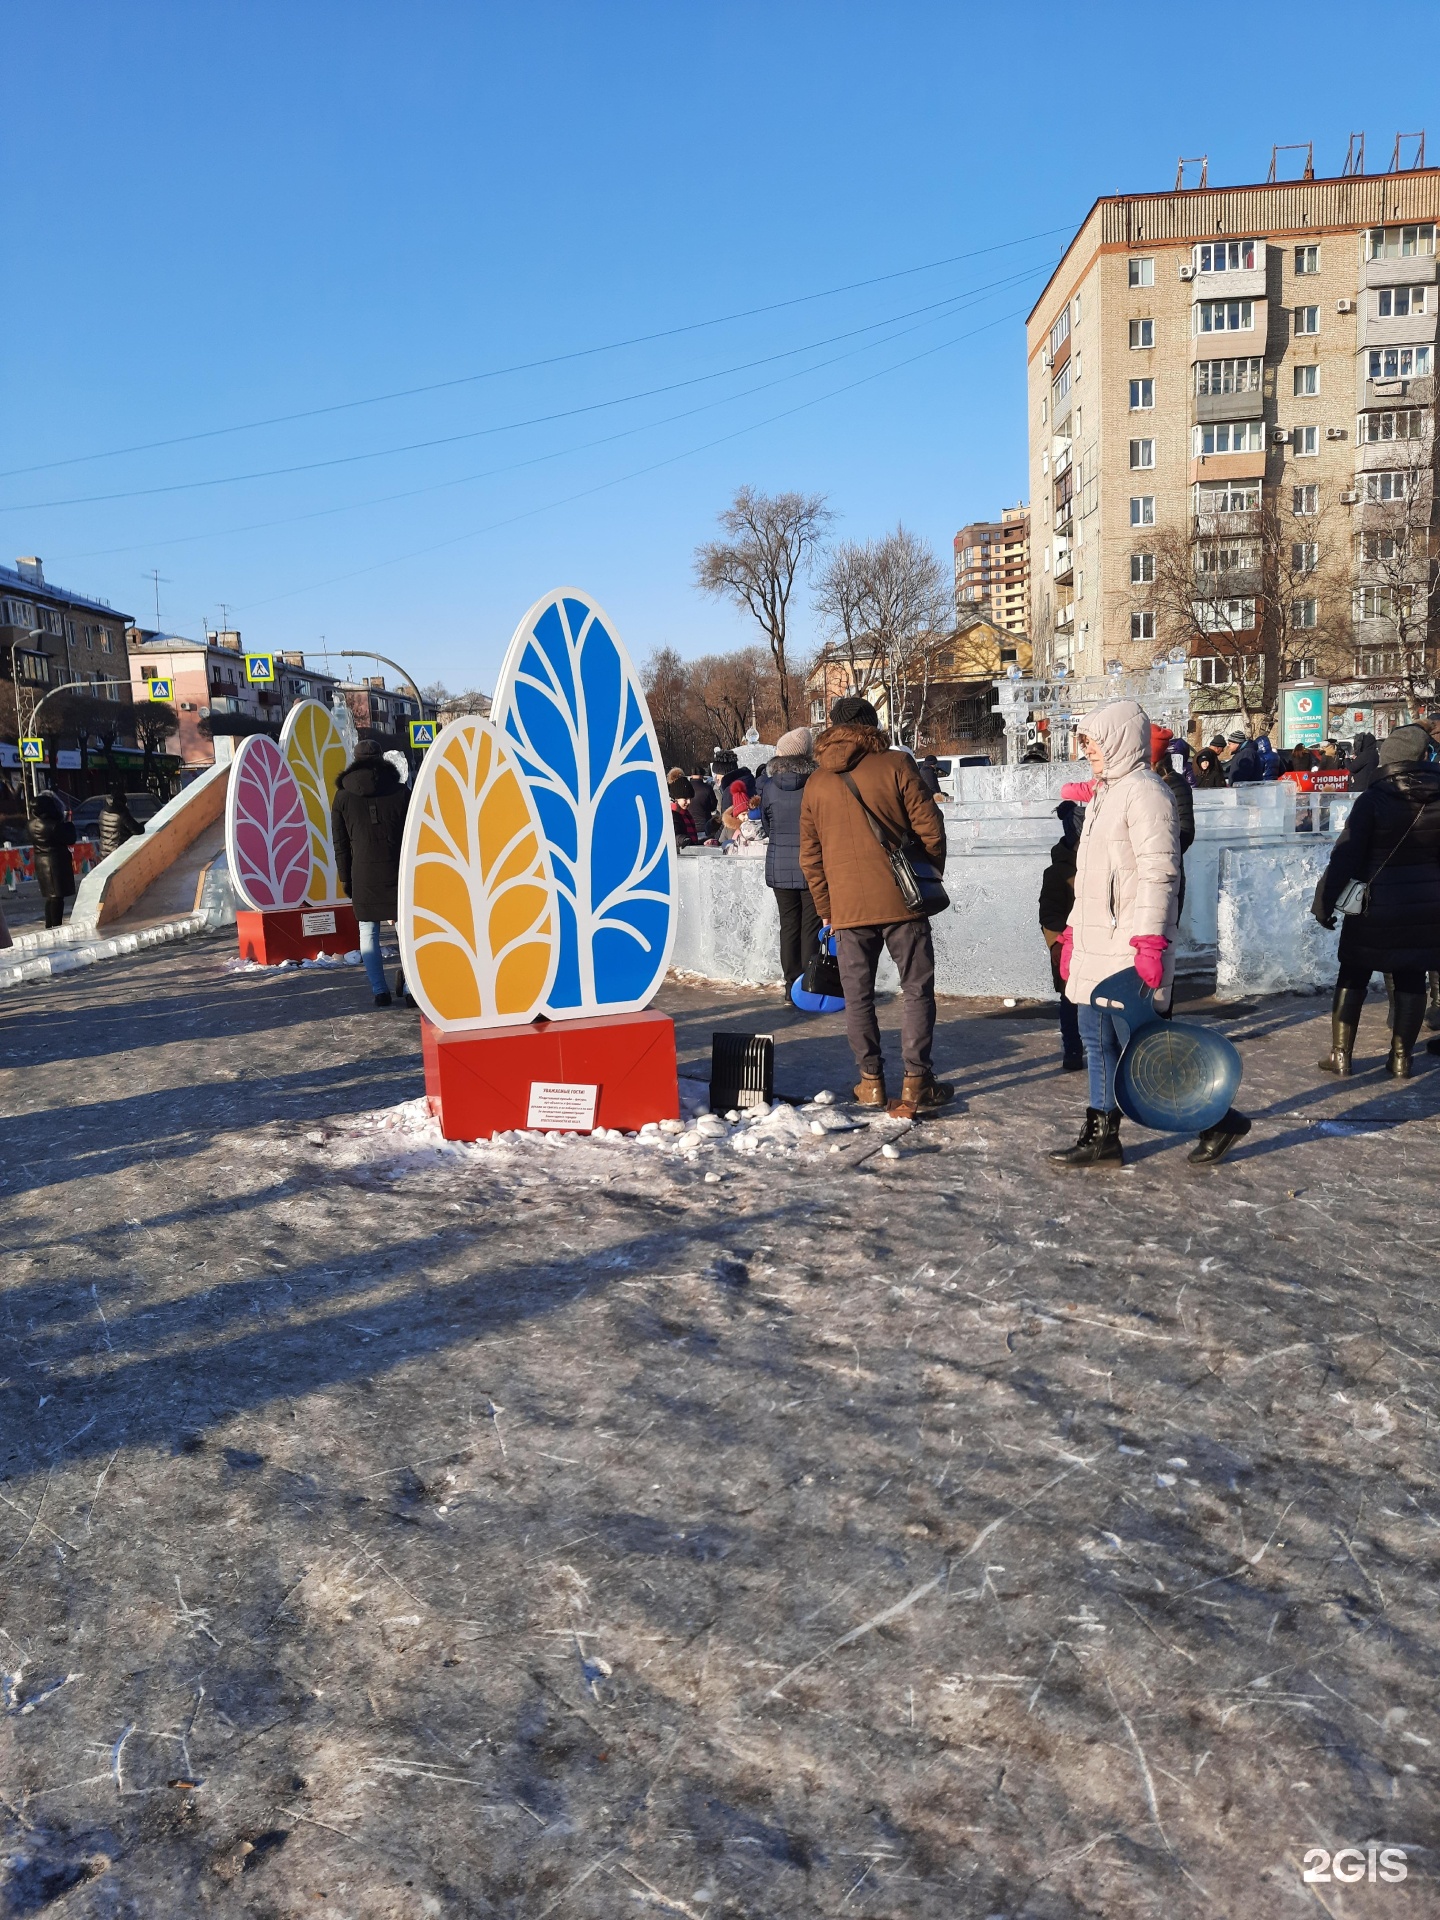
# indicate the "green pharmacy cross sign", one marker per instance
pixel 260 669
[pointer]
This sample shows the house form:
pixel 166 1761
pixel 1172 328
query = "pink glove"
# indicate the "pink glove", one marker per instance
pixel 1150 957
pixel 1082 791
pixel 1067 941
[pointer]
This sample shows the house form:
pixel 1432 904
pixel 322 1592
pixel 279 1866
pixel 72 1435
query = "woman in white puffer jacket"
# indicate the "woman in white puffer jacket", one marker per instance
pixel 1126 914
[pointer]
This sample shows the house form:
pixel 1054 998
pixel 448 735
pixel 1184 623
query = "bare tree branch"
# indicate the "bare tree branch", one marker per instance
pixel 769 541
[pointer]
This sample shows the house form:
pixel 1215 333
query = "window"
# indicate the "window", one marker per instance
pixel 1060 332
pixel 1142 510
pixel 1305 500
pixel 1142 453
pixel 1374 603
pixel 1389 485
pixel 1307 320
pixel 1237 497
pixel 1304 441
pixel 944 659
pixel 1060 385
pixel 1399 243
pixel 1399 363
pixel 1225 616
pixel 88 634
pixel 1307 382
pixel 1142 626
pixel 1225 256
pixel 1393 303
pixel 1234 556
pixel 1142 333
pixel 1224 316
pixel 1230 436
pixel 1142 273
pixel 1075 309
pixel 1307 259
pixel 1304 556
pixel 1142 569
pixel 1044 409
pixel 1407 423
pixel 1211 671
pixel 1375 662
pixel 1304 613
pixel 1228 376
pixel 107 639
pixel 1378 546
pixel 149 673
pixel 1142 395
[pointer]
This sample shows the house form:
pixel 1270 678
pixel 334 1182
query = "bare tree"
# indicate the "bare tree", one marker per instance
pixel 1397 590
pixel 842 603
pixel 155 722
pixel 886 605
pixel 769 541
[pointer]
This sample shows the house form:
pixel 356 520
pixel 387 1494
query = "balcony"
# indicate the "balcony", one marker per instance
pixel 1236 283
pixel 1372 394
pixel 1212 525
pixel 1418 269
pixel 1229 406
pixel 1408 330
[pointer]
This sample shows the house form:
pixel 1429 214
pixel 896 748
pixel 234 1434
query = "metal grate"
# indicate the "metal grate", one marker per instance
pixel 742 1070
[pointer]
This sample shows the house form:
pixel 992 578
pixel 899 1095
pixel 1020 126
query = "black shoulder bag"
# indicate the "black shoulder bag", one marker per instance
pixel 916 875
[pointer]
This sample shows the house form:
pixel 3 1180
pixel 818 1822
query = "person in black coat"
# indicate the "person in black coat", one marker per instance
pixel 1057 898
pixel 116 823
pixel 929 771
pixel 367 823
pixel 781 791
pixel 1209 770
pixel 1247 763
pixel 1392 842
pixel 703 809
pixel 51 837
pixel 1365 763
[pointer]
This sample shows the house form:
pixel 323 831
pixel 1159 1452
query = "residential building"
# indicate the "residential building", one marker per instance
pixel 210 684
pixel 49 636
pixel 1231 403
pixel 992 569
pixel 937 696
pixel 384 713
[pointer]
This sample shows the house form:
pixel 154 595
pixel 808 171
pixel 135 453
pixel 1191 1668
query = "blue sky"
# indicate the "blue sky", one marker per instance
pixel 217 215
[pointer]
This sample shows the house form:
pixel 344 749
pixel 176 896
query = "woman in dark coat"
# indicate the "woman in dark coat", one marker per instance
pixel 1209 771
pixel 117 824
pixel 703 809
pixel 52 836
pixel 1391 841
pixel 1365 764
pixel 1057 902
pixel 781 791
pixel 367 823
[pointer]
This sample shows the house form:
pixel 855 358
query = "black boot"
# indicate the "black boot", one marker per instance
pixel 1099 1141
pixel 1215 1142
pixel 1344 1023
pixel 1432 1011
pixel 1409 1018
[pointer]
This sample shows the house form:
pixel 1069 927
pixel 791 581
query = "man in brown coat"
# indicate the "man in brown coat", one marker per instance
pixel 850 881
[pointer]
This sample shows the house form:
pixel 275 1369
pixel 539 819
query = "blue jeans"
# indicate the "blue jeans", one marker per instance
pixel 370 955
pixel 1102 1055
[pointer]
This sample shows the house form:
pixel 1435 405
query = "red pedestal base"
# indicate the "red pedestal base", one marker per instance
pixel 479 1084
pixel 279 933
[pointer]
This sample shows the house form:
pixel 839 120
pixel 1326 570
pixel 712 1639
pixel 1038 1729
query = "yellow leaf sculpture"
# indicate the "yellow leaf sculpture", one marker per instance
pixel 315 753
pixel 477 899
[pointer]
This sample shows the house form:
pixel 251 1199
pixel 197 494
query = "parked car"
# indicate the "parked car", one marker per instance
pixel 86 816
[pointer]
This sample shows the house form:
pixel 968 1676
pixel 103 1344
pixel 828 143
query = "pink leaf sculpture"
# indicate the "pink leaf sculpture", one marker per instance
pixel 267 834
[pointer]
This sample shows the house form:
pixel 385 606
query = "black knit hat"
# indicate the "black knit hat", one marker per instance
pixel 851 711
pixel 367 752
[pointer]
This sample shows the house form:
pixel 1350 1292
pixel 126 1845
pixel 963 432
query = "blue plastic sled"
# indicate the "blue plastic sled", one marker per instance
pixel 817 1002
pixel 1173 1076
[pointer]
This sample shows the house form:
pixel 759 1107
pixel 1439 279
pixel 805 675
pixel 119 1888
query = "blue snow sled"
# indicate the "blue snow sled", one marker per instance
pixel 818 989
pixel 1173 1075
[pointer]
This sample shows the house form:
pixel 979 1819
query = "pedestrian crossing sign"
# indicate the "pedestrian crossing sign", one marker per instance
pixel 422 734
pixel 162 689
pixel 32 749
pixel 260 669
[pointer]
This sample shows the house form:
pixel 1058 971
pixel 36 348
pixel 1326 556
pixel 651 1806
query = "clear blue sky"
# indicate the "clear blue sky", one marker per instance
pixel 216 214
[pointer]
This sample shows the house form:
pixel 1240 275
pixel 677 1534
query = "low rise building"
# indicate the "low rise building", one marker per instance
pixel 50 637
pixel 383 713
pixel 936 696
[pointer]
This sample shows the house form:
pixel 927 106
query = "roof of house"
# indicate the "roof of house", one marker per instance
pixel 12 581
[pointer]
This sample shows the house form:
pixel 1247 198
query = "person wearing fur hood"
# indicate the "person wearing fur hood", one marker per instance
pixel 782 790
pixel 1126 913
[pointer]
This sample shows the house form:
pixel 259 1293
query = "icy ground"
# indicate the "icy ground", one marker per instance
pixel 709 1522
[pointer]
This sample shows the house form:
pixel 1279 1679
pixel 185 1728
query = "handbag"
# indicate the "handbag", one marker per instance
pixel 1354 896
pixel 820 988
pixel 917 878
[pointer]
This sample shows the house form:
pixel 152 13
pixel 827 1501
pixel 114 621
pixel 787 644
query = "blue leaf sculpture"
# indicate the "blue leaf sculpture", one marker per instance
pixel 570 702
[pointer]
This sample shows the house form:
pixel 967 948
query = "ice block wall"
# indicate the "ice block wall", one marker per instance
pixel 1268 942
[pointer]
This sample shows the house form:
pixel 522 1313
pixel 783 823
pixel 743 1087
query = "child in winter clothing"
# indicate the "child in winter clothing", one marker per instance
pixel 1057 897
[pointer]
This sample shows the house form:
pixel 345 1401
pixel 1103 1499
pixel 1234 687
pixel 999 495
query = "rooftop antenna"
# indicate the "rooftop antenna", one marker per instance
pixel 154 574
pixel 1307 147
pixel 1201 160
pixel 1355 159
pixel 1418 161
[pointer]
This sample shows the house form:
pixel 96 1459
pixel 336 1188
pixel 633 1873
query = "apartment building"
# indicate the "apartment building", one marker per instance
pixel 51 637
pixel 383 713
pixel 992 569
pixel 1231 398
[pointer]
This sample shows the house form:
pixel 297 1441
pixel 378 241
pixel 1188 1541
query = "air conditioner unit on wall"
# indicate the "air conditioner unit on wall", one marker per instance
pixel 1280 436
pixel 1334 433
pixel 1187 273
pixel 1348 498
pixel 1344 306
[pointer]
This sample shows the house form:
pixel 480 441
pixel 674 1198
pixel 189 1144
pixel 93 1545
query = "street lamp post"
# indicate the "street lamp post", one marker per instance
pixel 363 653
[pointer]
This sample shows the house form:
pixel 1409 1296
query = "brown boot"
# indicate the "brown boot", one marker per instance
pixel 871 1090
pixel 921 1093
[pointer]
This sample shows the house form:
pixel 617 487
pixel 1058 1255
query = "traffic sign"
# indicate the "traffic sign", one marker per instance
pixel 32 749
pixel 260 669
pixel 422 734
pixel 162 689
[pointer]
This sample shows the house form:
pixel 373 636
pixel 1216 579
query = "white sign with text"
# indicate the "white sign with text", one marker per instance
pixel 562 1104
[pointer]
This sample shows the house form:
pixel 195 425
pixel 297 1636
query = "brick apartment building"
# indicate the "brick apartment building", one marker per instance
pixel 1231 402
pixel 992 570
pixel 51 636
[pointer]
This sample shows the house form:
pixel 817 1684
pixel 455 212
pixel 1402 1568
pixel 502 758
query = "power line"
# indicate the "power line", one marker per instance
pixel 513 426
pixel 530 366
pixel 636 473
pixel 559 453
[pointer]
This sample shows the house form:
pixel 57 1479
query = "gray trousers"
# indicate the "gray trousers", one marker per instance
pixel 913 952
